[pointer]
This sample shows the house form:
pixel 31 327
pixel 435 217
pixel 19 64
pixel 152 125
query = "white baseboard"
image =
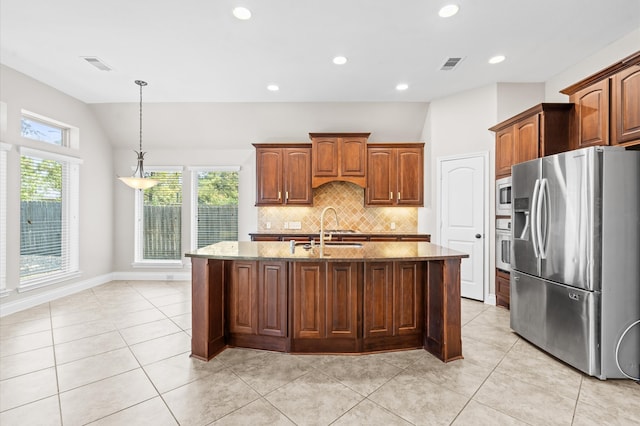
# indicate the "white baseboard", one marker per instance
pixel 26 302
pixel 151 276
pixel 490 299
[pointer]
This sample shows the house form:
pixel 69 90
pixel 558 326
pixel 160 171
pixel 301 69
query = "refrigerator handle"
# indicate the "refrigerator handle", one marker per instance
pixel 543 202
pixel 533 214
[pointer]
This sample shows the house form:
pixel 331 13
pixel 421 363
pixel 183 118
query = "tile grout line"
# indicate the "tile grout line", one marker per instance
pixel 482 384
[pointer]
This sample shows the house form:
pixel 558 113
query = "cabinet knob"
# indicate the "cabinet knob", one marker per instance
pixel 398 195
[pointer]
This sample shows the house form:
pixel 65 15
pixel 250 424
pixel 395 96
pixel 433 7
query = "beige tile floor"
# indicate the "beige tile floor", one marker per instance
pixel 119 355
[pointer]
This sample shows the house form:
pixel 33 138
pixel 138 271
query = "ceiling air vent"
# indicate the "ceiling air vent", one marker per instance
pixel 450 64
pixel 96 62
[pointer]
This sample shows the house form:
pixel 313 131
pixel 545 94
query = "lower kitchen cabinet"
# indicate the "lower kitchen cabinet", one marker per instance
pixel 503 288
pixel 341 237
pixel 325 303
pixel 393 301
pixel 257 298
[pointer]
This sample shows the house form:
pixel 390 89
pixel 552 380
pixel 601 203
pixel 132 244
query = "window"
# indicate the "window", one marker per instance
pixel 3 218
pixel 49 190
pixel 36 128
pixel 159 218
pixel 215 206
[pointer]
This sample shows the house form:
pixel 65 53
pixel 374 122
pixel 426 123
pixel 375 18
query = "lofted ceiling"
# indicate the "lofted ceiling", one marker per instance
pixel 197 51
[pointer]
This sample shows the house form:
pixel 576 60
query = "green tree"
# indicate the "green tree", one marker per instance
pixel 167 192
pixel 41 180
pixel 218 188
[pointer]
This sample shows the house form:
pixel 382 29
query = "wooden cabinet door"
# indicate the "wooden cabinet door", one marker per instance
pixel 503 288
pixel 410 179
pixel 243 301
pixel 592 115
pixel 269 186
pixel 342 299
pixel 353 156
pixel 625 104
pixel 378 299
pixel 504 152
pixel 272 299
pixel 409 283
pixel 309 301
pixel 297 176
pixel 325 157
pixel 381 177
pixel 526 139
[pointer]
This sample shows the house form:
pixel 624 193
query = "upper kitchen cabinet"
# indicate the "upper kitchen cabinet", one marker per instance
pixel 591 115
pixel 339 157
pixel 395 174
pixel 283 174
pixel 608 105
pixel 625 105
pixel 544 129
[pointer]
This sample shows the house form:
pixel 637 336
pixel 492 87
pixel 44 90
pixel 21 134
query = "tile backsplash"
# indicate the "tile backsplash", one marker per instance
pixel 348 200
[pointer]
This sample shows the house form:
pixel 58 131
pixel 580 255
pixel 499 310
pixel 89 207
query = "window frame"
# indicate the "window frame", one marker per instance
pixel 4 149
pixel 138 256
pixel 194 196
pixel 70 216
pixel 70 134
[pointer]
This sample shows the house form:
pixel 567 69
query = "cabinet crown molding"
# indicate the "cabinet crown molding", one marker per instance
pixel 629 61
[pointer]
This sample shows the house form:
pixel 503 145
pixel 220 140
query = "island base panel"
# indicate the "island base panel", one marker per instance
pixel 443 322
pixel 207 308
pixel 378 344
pixel 442 319
pixel 335 345
pixel 269 343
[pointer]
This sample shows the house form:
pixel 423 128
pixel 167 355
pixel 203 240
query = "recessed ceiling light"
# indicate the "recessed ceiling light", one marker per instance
pixel 339 60
pixel 448 10
pixel 402 86
pixel 497 59
pixel 242 13
pixel 273 87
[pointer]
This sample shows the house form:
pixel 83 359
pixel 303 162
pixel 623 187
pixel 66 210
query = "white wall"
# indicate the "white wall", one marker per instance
pixel 600 60
pixel 513 98
pixel 213 134
pixel 124 196
pixel 459 125
pixel 19 91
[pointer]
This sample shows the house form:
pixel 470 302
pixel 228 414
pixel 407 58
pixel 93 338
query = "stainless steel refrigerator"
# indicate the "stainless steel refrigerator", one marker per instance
pixel 575 260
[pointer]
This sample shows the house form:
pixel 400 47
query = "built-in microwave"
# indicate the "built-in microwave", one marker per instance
pixel 503 196
pixel 503 244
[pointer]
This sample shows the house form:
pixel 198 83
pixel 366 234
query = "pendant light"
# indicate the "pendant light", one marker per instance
pixel 138 181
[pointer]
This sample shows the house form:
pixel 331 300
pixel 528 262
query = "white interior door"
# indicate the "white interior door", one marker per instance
pixel 462 211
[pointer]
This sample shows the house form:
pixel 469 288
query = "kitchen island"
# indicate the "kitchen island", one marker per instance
pixel 343 298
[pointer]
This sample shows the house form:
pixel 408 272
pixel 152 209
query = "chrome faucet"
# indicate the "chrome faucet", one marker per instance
pixel 322 224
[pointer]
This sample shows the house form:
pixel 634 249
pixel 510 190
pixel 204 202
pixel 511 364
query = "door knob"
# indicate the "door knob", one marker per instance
pixel 478 236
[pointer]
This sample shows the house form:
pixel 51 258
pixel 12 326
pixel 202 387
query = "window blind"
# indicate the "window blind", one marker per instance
pixel 215 204
pixel 49 207
pixel 160 217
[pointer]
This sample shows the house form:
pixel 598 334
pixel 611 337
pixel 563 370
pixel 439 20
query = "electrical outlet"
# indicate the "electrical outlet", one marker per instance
pixel 268 225
pixel 295 225
pixel 286 225
pixel 393 225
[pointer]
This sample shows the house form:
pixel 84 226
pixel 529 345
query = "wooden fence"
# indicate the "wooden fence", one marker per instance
pixel 41 231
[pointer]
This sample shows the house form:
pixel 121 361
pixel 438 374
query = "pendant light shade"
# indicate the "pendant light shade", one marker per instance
pixel 138 181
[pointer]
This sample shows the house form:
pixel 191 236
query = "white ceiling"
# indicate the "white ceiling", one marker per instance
pixel 196 51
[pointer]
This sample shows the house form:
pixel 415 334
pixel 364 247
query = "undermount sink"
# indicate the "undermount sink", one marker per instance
pixel 342 244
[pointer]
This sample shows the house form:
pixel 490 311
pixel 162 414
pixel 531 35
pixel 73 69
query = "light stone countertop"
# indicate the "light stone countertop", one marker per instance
pixel 361 251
